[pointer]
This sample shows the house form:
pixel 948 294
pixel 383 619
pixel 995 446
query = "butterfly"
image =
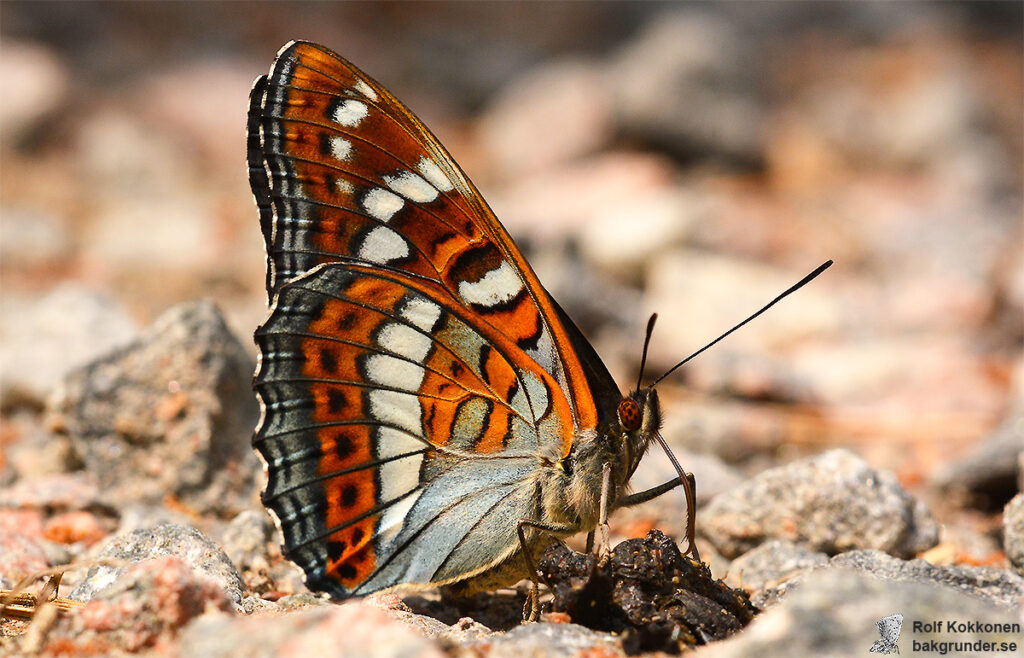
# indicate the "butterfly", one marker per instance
pixel 430 415
pixel 889 627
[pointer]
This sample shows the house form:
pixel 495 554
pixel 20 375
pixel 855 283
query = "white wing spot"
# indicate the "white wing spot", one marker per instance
pixel 412 187
pixel 349 113
pixel 405 341
pixel 345 187
pixel 341 148
pixel 394 372
pixel 496 287
pixel 366 90
pixel 396 408
pixel 382 245
pixel 433 173
pixel 422 313
pixel 397 477
pixel 394 517
pixel 381 204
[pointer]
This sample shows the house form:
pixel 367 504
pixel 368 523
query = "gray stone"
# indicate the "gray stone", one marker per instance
pixel 302 600
pixel 247 538
pixel 544 640
pixel 20 556
pixel 42 339
pixel 833 612
pixel 466 630
pixel 170 413
pixel 989 472
pixel 189 544
pixel 252 604
pixel 997 587
pixel 33 452
pixel 353 629
pixel 56 492
pixel 833 502
pixel 698 61
pixel 145 608
pixel 771 562
pixel 144 516
pixel 1013 532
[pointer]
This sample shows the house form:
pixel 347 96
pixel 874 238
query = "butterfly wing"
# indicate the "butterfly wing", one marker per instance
pixel 341 169
pixel 399 430
pixel 413 369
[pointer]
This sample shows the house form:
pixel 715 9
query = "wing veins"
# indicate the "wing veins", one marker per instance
pixel 509 361
pixel 345 471
pixel 369 348
pixel 472 528
pixel 383 387
pixel 327 165
pixel 468 213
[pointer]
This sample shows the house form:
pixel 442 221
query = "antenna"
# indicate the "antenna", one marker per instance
pixel 643 357
pixel 796 286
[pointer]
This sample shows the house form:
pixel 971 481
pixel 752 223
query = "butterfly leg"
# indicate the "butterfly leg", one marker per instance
pixel 649 494
pixel 532 609
pixel 604 545
pixel 691 506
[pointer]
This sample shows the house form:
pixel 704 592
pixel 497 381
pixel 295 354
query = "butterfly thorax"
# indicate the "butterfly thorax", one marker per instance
pixel 572 489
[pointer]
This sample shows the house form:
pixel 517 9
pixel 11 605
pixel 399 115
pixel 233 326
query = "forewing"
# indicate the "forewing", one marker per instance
pixel 342 170
pixel 399 431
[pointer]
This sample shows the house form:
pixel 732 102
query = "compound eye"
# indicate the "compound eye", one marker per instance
pixel 629 414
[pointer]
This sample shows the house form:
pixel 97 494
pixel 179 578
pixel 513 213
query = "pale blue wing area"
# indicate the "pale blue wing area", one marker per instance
pixel 472 497
pixel 495 530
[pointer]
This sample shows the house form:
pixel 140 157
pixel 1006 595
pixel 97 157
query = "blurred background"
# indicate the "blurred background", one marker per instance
pixel 690 159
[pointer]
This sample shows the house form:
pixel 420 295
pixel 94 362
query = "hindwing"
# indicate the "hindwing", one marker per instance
pixel 395 422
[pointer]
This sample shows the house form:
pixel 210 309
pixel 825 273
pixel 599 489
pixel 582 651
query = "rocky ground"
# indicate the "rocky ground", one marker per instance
pixel 858 450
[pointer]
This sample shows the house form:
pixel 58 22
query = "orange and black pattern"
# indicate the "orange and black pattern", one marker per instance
pixel 411 352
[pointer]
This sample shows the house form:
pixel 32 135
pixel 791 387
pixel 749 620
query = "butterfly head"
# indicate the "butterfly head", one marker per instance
pixel 640 410
pixel 640 419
